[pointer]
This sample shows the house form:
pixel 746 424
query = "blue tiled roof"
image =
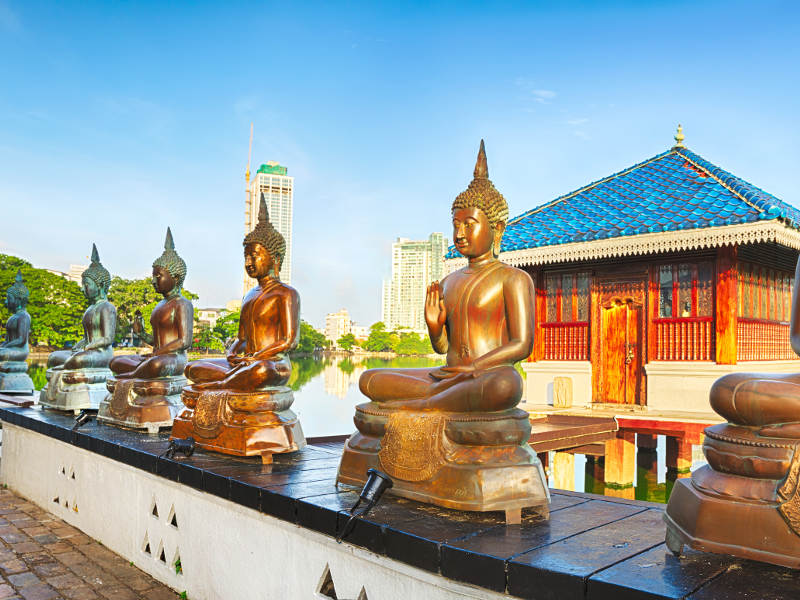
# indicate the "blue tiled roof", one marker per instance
pixel 671 191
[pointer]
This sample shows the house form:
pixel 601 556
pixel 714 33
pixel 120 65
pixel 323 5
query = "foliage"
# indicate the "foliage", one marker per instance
pixel 379 339
pixel 412 343
pixel 227 327
pixel 310 339
pixel 347 341
pixel 56 304
pixel 346 366
pixel 205 338
pixel 130 295
pixel 38 374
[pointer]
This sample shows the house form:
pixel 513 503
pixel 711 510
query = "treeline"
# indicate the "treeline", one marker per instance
pixel 379 340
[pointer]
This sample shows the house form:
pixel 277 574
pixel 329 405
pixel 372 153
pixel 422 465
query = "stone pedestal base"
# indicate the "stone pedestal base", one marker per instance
pixel 240 423
pixel 465 461
pixel 745 502
pixel 142 403
pixel 14 378
pixel 74 390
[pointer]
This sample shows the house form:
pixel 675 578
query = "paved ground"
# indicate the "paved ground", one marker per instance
pixel 42 558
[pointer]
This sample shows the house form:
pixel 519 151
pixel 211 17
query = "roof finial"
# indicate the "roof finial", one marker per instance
pixel 679 137
pixel 481 166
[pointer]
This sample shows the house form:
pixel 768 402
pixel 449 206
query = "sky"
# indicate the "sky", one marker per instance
pixel 119 119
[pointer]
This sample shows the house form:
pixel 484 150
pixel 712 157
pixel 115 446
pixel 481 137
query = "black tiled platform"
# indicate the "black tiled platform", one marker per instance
pixel 592 547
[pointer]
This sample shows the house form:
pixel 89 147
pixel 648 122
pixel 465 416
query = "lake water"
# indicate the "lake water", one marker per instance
pixel 326 393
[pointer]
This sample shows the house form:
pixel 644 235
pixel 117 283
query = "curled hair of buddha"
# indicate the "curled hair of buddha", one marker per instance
pixel 18 291
pixel 482 194
pixel 170 260
pixel 266 235
pixel 97 272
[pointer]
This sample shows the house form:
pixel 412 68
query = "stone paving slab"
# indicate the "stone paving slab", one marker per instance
pixel 44 558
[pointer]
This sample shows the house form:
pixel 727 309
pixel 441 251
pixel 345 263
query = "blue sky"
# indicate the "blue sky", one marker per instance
pixel 117 120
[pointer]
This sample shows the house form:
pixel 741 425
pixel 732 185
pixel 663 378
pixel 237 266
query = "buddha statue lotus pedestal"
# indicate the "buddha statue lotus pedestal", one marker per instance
pixel 240 405
pixel 746 501
pixel 76 379
pixel 452 436
pixel 145 391
pixel 14 377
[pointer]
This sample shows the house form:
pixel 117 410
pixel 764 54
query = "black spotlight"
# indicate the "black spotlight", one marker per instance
pixel 82 419
pixel 377 483
pixel 184 446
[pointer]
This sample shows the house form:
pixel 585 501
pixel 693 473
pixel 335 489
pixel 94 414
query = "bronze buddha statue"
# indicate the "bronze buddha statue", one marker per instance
pixel 14 377
pixel 241 404
pixel 450 435
pixel 144 392
pixel 76 378
pixel 746 500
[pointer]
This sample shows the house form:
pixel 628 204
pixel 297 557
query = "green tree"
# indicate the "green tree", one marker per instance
pixel 347 341
pixel 55 304
pixel 379 339
pixel 227 327
pixel 130 295
pixel 412 343
pixel 310 339
pixel 205 338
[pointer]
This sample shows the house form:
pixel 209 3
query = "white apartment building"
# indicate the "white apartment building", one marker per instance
pixel 337 324
pixel 75 272
pixel 415 264
pixel 278 189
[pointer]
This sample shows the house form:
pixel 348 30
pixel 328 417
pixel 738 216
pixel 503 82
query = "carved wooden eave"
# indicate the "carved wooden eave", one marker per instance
pixel 649 243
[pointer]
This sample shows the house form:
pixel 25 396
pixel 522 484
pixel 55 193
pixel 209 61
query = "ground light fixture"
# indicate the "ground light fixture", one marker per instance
pixel 377 483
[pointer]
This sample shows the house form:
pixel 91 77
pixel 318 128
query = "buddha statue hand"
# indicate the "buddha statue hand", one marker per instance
pixel 435 312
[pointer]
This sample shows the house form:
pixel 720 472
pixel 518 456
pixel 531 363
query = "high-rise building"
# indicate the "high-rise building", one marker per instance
pixel 415 264
pixel 337 324
pixel 278 189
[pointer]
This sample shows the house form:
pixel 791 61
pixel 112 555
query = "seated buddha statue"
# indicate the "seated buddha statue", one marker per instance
pixel 746 500
pixel 144 392
pixel 14 377
pixel 463 415
pixel 76 378
pixel 240 404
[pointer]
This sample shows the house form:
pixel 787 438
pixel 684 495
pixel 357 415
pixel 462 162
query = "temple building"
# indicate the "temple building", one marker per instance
pixel 655 281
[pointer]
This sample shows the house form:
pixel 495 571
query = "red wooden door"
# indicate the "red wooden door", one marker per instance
pixel 621 326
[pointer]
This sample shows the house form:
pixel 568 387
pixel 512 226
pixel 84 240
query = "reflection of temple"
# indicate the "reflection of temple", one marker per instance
pixel 338 376
pixel 654 282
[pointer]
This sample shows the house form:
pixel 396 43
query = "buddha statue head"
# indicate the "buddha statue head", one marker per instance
pixel 169 269
pixel 17 295
pixel 264 247
pixel 96 279
pixel 479 214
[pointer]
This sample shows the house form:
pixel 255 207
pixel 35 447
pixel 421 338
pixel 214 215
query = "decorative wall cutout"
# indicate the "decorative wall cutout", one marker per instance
pixel 163 526
pixel 362 595
pixel 154 508
pixel 65 483
pixel 326 587
pixel 146 545
pixel 172 519
pixel 162 556
pixel 176 562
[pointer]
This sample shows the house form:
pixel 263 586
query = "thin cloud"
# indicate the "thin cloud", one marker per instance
pixel 578 121
pixel 543 96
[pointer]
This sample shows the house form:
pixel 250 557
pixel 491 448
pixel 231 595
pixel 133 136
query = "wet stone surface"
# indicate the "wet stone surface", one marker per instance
pixel 44 558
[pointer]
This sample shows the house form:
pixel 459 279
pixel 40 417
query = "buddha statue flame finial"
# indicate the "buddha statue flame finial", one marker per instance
pixel 170 260
pixel 482 194
pixel 18 290
pixel 266 235
pixel 97 272
pixel 679 137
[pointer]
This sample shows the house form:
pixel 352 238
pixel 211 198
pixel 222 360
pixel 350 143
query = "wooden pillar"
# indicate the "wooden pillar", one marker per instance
pixel 652 314
pixel 679 457
pixel 540 310
pixel 564 471
pixel 725 312
pixel 620 465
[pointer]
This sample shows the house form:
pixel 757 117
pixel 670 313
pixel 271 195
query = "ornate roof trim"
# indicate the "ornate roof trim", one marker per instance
pixel 649 243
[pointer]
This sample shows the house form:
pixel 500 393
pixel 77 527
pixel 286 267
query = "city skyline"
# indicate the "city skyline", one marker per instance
pixel 131 140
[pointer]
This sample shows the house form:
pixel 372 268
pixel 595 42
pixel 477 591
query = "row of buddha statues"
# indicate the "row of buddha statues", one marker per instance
pixel 452 435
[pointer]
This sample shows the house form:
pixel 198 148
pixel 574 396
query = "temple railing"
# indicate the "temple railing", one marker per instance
pixel 685 338
pixel 763 340
pixel 566 341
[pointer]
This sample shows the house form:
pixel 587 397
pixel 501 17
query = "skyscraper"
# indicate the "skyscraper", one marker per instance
pixel 278 189
pixel 414 265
